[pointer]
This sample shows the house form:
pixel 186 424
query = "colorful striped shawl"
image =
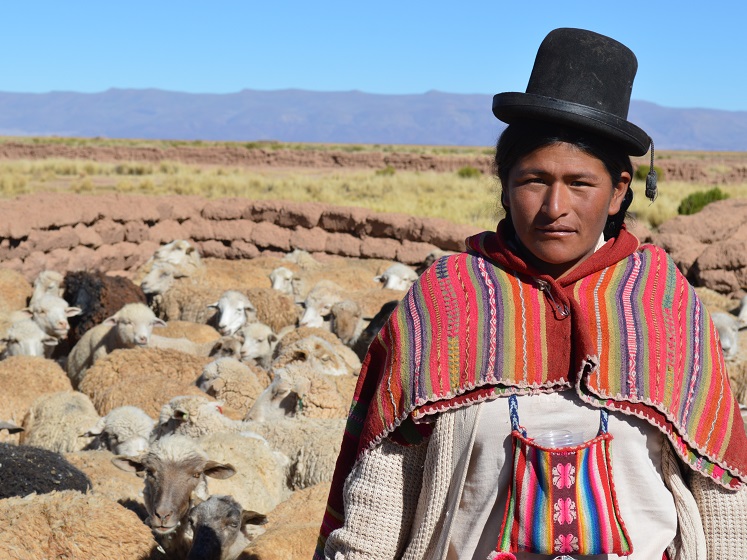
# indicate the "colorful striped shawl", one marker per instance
pixel 625 329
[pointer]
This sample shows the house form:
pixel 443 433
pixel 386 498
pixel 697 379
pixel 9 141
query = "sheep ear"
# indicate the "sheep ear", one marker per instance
pixel 249 517
pixel 12 428
pixel 378 278
pixel 50 341
pixel 214 469
pixel 272 338
pixel 110 321
pixel 73 311
pixel 97 430
pixel 181 415
pixel 129 464
pixel 26 312
pixel 159 323
pixel 213 305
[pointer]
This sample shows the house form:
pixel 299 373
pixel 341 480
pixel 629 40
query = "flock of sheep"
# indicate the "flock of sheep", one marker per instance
pixel 223 385
pixel 240 372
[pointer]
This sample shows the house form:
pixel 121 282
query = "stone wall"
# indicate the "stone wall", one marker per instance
pixel 118 233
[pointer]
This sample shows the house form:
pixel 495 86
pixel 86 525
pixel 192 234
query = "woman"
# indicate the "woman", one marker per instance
pixel 535 396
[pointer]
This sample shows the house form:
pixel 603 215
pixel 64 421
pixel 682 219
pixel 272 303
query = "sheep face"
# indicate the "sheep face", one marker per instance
pixel 259 342
pixel 279 400
pixel 26 338
pixel 397 277
pixel 226 347
pixel 170 482
pixel 51 313
pixel 124 431
pixel 178 252
pixel 133 325
pixel 160 278
pixel 282 280
pixel 48 282
pixel 234 311
pixel 728 331
pixel 221 528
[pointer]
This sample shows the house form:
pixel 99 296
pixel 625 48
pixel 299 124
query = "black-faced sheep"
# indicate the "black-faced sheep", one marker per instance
pixel 98 296
pixel 130 327
pixel 222 529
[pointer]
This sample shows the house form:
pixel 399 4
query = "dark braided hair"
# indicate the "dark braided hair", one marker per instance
pixel 522 138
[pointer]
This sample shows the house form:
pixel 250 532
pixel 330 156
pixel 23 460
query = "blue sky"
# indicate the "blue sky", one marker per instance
pixel 690 54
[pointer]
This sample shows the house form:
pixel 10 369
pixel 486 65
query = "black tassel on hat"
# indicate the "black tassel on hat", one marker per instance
pixel 651 192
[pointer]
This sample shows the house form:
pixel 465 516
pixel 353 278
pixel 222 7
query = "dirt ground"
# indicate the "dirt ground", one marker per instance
pixel 702 167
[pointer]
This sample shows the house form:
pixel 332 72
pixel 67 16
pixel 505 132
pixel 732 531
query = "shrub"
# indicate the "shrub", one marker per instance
pixel 468 172
pixel 642 172
pixel 695 202
pixel 388 171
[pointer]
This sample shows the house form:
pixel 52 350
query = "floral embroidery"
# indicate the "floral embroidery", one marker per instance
pixel 565 511
pixel 563 476
pixel 566 543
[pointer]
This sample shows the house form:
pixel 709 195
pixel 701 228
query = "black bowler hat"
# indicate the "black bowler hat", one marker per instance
pixel 582 79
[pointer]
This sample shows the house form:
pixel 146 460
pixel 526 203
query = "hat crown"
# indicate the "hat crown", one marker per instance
pixel 584 67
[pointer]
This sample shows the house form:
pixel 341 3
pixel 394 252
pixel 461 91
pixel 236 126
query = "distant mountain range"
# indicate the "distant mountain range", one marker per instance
pixel 337 117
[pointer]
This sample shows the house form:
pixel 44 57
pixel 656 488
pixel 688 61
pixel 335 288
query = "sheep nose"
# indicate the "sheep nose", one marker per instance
pixel 163 515
pixel 141 339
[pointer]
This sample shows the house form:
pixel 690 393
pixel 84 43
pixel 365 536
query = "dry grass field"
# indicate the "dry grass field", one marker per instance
pixel 462 197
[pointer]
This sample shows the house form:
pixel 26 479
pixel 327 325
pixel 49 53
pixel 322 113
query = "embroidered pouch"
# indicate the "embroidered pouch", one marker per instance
pixel 562 500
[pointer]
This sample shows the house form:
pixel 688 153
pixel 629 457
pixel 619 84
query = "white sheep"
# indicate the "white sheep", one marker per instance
pixel 124 431
pixel 727 326
pixel 282 279
pixel 47 282
pixel 178 252
pixel 347 321
pixel 300 390
pixel 742 317
pixel 225 346
pixel 319 302
pixel 319 354
pixel 50 312
pixel 258 344
pixel 233 382
pixel 311 444
pixel 397 277
pixel 175 470
pixel 129 327
pixel 26 338
pixel 193 416
pixel 222 529
pixel 59 422
pixel 234 310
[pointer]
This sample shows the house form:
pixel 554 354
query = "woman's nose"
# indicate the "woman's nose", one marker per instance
pixel 556 200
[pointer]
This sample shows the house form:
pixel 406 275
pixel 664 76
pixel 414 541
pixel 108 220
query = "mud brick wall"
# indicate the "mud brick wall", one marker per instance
pixel 118 233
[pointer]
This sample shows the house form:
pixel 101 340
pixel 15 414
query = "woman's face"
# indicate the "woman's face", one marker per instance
pixel 559 198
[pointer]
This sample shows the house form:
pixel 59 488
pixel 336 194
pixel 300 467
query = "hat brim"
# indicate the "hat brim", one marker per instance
pixel 510 107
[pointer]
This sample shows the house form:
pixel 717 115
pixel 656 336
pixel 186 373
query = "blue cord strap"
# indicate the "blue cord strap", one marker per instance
pixel 603 419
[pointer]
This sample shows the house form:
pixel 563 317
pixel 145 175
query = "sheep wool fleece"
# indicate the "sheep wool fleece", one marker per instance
pixel 624 329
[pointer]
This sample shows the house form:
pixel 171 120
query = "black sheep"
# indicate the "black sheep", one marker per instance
pixel 25 469
pixel 99 296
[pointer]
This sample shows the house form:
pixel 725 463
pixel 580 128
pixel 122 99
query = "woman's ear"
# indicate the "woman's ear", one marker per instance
pixel 618 194
pixel 504 198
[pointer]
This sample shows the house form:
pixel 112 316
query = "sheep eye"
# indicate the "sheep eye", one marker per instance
pixel 233 525
pixel 196 475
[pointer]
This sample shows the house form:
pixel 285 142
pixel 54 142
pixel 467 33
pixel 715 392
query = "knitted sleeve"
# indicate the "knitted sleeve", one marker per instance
pixel 724 516
pixel 380 496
